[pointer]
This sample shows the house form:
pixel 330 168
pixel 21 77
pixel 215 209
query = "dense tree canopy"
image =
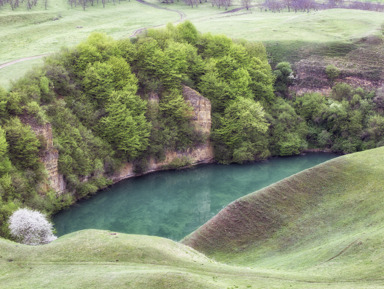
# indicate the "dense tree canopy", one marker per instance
pixel 111 101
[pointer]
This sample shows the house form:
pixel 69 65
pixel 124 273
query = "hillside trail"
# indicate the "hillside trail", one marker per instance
pixel 22 59
pixel 182 16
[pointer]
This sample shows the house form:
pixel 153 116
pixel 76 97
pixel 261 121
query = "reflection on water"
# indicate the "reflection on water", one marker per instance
pixel 172 204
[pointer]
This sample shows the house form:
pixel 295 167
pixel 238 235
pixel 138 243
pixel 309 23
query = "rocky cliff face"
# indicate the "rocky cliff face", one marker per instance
pixel 201 154
pixel 49 157
pixel 197 155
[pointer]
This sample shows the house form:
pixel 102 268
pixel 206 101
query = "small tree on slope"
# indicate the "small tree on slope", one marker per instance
pixel 31 227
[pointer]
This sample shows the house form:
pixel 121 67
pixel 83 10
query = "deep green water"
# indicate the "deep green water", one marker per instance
pixel 172 204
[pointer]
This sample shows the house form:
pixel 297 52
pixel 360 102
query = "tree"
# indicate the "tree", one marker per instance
pixel 284 77
pixel 288 129
pixel 262 80
pixel 375 130
pixel 30 227
pixel 5 164
pixel 186 31
pixel 97 47
pixel 332 73
pixel 175 117
pixel 246 4
pixel 342 91
pixel 3 103
pixel 125 126
pixel 192 2
pixel 310 105
pixel 98 82
pixel 23 144
pixel 242 130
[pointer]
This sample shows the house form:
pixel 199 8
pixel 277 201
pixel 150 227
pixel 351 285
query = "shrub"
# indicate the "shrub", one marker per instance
pixel 332 72
pixel 30 227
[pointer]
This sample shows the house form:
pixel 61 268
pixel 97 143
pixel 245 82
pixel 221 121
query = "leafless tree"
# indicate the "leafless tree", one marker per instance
pixel 246 4
pixel 192 3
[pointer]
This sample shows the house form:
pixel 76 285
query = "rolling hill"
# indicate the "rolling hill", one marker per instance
pixel 320 228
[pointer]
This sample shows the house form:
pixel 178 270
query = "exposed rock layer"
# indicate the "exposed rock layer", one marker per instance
pixel 49 156
pixel 197 155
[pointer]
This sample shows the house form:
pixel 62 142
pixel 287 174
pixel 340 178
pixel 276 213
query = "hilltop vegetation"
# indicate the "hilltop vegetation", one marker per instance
pixel 96 97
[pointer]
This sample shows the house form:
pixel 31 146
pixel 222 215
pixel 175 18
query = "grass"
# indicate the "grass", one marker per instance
pixel 321 228
pixel 317 26
pixel 34 33
pixel 40 31
pixel 326 221
pixel 14 72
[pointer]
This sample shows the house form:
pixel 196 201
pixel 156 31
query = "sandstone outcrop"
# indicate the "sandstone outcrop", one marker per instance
pixel 49 157
pixel 197 155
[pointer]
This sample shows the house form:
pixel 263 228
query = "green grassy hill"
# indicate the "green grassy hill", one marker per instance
pixel 326 221
pixel 322 228
pixel 29 33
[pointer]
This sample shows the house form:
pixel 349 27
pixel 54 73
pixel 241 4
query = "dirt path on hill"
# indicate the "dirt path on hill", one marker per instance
pixel 182 16
pixel 181 13
pixel 135 33
pixel 22 59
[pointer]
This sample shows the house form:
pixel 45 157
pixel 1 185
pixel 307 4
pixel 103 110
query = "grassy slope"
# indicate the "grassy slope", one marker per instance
pixel 327 221
pixel 100 259
pixel 316 26
pixel 35 32
pixel 29 33
pixel 319 228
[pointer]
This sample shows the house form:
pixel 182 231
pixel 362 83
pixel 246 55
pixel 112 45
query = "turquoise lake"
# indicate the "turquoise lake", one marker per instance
pixel 172 204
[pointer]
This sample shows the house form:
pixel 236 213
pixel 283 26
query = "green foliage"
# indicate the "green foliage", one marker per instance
pixel 113 101
pixel 79 149
pixel 242 130
pixel 310 105
pixel 23 144
pixel 3 103
pixel 5 164
pixel 262 80
pixel 332 72
pixel 98 47
pixel 345 123
pixel 179 162
pixel 174 123
pixel 284 77
pixel 288 130
pixel 98 82
pixel 186 31
pixel 342 91
pixel 125 126
pixel 375 129
pixel 213 45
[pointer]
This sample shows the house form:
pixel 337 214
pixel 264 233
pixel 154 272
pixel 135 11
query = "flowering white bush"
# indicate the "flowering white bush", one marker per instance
pixel 31 227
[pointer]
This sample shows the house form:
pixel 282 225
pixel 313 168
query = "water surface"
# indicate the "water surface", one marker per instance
pixel 172 204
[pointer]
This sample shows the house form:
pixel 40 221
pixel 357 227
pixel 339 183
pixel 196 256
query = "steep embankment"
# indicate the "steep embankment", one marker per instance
pixel 327 221
pixel 196 155
pixel 201 154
